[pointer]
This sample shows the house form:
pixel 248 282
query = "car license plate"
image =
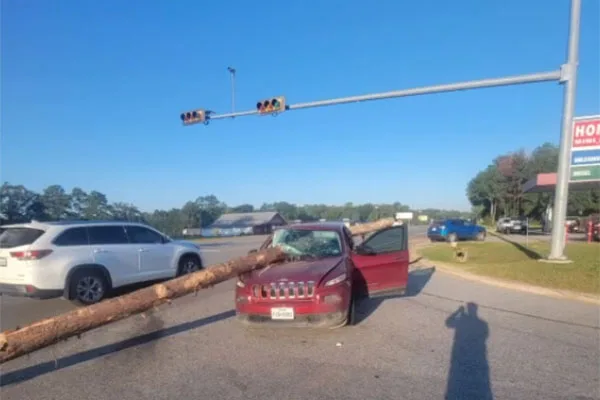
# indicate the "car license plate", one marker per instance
pixel 284 313
pixel 2 262
pixel 433 229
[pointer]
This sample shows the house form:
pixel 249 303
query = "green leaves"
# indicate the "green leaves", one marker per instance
pixel 19 204
pixel 498 189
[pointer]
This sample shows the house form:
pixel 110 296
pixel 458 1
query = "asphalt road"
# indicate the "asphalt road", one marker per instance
pixel 516 346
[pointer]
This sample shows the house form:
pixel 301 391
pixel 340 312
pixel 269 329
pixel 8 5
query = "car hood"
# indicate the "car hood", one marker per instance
pixel 297 271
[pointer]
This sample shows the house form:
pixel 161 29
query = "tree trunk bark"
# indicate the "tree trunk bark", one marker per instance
pixel 493 210
pixel 18 342
pixel 367 227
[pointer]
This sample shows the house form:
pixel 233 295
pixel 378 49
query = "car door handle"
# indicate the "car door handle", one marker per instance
pixel 100 251
pixel 142 250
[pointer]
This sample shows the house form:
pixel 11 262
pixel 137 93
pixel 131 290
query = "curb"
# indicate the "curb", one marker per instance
pixel 521 287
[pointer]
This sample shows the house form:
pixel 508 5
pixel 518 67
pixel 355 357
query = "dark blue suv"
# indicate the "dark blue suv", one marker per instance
pixel 452 230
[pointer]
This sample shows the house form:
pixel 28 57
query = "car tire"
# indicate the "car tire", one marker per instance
pixel 189 264
pixel 481 236
pixel 452 238
pixel 88 286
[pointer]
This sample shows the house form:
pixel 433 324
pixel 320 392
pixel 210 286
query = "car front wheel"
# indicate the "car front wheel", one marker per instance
pixel 189 264
pixel 481 236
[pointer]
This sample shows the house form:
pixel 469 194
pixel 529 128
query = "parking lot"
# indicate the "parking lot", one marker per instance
pixel 534 234
pixel 509 345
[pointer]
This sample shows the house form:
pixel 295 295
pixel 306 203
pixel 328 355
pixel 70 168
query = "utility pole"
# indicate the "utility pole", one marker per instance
pixel 232 74
pixel 561 195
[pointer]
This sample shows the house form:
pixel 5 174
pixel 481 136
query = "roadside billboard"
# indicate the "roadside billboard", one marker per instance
pixel 404 215
pixel 585 149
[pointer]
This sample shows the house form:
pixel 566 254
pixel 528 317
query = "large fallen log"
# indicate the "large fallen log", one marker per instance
pixel 21 341
pixel 368 227
pixel 18 342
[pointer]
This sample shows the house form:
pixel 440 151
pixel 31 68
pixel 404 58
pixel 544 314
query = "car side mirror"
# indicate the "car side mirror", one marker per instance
pixel 252 251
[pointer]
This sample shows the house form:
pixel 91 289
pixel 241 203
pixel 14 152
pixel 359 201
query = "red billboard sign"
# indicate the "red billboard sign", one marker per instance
pixel 586 132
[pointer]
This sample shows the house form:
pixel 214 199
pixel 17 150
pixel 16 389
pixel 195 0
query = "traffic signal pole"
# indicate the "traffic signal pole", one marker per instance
pixel 451 87
pixel 567 74
pixel 561 194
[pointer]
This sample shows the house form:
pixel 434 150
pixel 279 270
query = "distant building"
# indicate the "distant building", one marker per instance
pixel 192 232
pixel 255 223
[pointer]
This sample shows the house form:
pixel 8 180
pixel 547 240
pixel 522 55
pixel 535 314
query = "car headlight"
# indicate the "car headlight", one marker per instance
pixel 336 280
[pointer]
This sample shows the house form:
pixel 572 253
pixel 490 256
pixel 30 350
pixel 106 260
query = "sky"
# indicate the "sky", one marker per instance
pixel 92 92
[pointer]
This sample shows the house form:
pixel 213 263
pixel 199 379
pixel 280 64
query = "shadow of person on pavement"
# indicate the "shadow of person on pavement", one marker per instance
pixel 27 373
pixel 469 376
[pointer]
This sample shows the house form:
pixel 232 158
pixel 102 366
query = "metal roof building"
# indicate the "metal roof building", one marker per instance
pixel 257 222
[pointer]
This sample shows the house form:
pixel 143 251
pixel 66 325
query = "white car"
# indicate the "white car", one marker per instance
pixel 84 260
pixel 511 225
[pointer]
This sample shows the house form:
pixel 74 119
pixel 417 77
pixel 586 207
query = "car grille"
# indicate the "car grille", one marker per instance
pixel 284 290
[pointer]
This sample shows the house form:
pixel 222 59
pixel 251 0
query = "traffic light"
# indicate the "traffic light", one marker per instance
pixel 193 117
pixel 274 105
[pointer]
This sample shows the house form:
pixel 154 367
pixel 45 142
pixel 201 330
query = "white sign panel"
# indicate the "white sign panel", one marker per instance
pixel 404 215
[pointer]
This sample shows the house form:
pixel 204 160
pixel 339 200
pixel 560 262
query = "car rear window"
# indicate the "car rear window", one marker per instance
pixel 14 237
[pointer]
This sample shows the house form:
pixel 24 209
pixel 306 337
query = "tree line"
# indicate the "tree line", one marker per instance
pixel 19 204
pixel 497 190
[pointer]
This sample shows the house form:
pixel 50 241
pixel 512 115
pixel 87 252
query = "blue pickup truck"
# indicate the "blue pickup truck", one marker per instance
pixel 452 230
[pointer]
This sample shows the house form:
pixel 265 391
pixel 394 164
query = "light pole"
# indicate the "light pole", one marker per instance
pixel 232 74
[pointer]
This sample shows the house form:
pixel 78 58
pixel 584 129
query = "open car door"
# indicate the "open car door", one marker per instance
pixel 381 262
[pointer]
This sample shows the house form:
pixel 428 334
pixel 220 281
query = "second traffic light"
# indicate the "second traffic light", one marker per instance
pixel 274 105
pixel 193 117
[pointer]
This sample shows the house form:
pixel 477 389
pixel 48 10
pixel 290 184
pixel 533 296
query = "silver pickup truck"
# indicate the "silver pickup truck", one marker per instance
pixel 511 225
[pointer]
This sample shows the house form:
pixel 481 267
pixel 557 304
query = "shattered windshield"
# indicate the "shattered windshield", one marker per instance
pixel 308 243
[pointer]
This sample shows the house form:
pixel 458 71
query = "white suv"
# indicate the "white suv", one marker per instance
pixel 511 225
pixel 84 260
